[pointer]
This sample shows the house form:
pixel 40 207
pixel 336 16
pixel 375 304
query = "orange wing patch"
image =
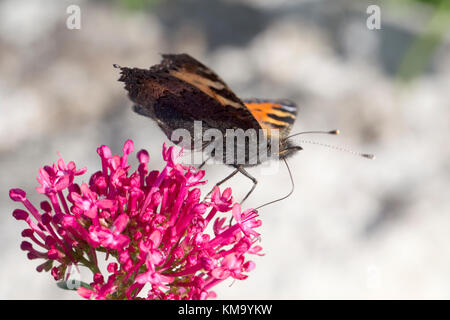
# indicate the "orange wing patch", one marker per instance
pixel 189 70
pixel 273 114
pixel 205 85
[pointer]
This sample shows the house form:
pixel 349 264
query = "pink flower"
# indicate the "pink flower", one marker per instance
pixel 152 223
pixel 111 238
pixel 222 202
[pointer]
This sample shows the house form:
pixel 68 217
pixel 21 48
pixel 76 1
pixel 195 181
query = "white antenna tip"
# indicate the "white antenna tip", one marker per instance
pixel 336 132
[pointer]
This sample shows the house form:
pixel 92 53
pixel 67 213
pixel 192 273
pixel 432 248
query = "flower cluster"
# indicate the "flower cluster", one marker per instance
pixel 151 223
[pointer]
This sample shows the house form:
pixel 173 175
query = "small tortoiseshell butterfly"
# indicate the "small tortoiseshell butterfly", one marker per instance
pixel 181 90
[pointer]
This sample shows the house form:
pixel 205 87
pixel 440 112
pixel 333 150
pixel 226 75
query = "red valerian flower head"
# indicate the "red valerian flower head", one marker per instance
pixel 152 223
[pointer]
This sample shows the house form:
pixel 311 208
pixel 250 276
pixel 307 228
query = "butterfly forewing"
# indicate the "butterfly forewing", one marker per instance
pixel 181 90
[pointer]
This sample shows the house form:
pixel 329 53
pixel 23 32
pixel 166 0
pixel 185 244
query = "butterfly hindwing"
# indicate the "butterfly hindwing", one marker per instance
pixel 273 114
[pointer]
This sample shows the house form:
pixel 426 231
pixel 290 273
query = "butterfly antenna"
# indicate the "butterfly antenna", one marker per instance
pixel 290 192
pixel 334 132
pixel 360 154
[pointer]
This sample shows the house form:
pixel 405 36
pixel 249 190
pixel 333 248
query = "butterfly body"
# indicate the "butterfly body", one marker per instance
pixel 180 91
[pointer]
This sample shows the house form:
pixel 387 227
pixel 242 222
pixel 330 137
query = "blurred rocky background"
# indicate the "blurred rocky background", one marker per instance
pixel 353 228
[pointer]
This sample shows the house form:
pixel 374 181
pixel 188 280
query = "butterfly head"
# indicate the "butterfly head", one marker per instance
pixel 288 148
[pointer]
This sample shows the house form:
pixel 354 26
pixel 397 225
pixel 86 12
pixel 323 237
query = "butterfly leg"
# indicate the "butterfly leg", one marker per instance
pixel 255 182
pixel 248 175
pixel 223 180
pixel 203 163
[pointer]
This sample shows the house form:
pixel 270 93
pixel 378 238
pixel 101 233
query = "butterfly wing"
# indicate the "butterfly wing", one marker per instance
pixel 273 114
pixel 186 68
pixel 181 90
